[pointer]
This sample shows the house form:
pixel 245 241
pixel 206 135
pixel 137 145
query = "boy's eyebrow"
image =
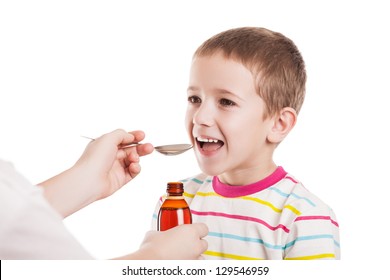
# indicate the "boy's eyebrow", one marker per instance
pixel 192 88
pixel 224 91
pixel 218 90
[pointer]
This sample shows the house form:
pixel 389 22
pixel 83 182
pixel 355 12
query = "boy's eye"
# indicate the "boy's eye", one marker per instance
pixel 194 99
pixel 226 102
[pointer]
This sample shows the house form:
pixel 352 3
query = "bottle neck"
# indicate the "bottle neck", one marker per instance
pixel 175 196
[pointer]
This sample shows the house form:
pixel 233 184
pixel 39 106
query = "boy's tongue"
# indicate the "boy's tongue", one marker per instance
pixel 211 146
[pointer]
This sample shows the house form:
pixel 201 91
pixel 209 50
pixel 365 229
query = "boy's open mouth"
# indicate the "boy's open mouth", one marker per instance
pixel 209 144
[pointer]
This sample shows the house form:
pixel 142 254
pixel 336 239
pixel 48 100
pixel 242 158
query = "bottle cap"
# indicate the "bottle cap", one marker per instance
pixel 175 188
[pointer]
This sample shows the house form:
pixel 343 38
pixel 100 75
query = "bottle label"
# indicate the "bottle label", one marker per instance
pixel 171 217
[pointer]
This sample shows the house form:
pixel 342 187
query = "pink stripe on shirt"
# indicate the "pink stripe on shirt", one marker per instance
pixel 239 217
pixel 302 218
pixel 237 191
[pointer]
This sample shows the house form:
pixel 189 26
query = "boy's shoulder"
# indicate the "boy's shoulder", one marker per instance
pixel 302 198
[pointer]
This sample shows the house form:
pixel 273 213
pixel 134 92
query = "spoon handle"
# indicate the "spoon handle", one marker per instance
pixel 122 146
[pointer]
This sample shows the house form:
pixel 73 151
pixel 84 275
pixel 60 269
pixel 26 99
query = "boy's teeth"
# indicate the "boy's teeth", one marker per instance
pixel 207 140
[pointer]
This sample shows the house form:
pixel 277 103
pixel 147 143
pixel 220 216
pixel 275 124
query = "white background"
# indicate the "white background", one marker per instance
pixel 71 68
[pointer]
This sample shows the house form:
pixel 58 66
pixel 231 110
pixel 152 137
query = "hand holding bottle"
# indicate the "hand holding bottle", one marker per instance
pixel 181 242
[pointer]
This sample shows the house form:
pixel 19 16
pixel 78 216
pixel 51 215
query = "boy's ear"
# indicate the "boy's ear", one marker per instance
pixel 283 123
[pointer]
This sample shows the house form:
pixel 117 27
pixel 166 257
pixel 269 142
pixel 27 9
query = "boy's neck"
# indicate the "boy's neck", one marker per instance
pixel 248 175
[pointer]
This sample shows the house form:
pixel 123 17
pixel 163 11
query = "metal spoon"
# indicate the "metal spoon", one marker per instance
pixel 173 149
pixel 168 150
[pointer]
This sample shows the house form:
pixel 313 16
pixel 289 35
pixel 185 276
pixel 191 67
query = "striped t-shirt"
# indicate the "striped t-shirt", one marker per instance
pixel 276 218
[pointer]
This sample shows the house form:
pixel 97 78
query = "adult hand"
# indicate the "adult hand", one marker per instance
pixel 183 242
pixel 110 166
pixel 102 169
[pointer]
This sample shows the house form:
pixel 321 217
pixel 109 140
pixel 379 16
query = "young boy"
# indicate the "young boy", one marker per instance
pixel 246 88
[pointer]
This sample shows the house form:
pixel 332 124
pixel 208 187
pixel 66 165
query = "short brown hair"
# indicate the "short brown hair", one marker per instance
pixel 274 60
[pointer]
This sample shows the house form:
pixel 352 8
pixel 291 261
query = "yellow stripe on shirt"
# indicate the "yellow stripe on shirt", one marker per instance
pixel 229 256
pixel 254 199
pixel 313 257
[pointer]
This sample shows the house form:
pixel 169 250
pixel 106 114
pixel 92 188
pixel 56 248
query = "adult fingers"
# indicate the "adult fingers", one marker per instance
pixel 201 229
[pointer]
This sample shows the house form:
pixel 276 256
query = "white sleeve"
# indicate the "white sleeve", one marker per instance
pixel 29 227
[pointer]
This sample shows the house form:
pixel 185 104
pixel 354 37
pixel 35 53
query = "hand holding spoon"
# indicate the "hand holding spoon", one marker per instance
pixel 168 150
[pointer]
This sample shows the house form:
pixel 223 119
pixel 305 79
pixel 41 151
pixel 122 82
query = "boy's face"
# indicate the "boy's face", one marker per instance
pixel 224 118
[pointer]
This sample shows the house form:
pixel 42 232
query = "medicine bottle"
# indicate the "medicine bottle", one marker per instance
pixel 174 211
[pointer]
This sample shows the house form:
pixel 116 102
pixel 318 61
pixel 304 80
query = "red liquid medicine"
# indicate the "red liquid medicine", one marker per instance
pixel 174 211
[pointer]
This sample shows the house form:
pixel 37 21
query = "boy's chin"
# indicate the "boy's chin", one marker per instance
pixel 211 170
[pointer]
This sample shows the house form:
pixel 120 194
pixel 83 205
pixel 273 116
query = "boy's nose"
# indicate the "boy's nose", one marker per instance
pixel 204 115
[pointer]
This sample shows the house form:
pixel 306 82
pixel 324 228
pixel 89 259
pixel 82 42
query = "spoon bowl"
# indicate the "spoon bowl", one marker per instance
pixel 173 149
pixel 168 150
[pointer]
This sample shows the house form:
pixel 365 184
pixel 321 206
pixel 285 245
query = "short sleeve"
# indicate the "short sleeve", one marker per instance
pixel 314 235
